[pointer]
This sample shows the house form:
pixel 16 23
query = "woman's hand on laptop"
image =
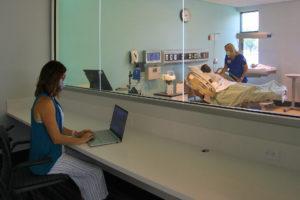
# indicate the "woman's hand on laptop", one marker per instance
pixel 86 136
pixel 80 133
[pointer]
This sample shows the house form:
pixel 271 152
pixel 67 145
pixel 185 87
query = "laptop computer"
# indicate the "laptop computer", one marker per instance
pixel 115 133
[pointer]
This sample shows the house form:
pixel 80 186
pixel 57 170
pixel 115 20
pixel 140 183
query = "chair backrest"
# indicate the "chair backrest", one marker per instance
pixel 6 165
pixel 3 192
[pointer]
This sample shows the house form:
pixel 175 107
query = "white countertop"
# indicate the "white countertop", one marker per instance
pixel 178 169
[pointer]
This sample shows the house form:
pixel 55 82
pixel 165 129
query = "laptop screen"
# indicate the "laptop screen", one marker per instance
pixel 118 121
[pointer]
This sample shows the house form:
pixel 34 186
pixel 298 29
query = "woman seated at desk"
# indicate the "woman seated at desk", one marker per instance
pixel 215 89
pixel 48 135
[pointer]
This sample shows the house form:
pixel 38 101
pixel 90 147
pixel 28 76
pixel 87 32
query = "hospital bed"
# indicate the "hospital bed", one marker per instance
pixel 232 93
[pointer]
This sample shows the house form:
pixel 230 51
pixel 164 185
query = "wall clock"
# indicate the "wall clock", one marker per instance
pixel 185 15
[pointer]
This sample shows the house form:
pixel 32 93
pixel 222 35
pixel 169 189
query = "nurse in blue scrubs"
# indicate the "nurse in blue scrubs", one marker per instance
pixel 235 64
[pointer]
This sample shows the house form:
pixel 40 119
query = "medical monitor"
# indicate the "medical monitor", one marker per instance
pixel 152 57
pixel 95 77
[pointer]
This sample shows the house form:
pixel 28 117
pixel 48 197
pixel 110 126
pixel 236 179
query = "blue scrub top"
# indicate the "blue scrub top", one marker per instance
pixel 236 66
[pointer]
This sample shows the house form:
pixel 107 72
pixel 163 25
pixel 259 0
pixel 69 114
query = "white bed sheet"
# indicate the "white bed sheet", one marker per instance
pixel 261 70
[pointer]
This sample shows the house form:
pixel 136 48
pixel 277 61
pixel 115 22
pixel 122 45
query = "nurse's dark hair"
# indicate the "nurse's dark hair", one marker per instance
pixel 50 75
pixel 205 68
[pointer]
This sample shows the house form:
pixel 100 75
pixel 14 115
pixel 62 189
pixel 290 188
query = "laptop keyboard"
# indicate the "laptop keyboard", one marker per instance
pixel 105 136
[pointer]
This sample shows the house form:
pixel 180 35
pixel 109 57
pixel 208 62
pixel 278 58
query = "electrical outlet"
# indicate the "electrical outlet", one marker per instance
pixel 273 155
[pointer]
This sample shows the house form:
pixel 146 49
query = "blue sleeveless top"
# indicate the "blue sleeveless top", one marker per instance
pixel 41 142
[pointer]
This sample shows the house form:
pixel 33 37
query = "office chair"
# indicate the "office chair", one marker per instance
pixel 15 180
pixel 13 144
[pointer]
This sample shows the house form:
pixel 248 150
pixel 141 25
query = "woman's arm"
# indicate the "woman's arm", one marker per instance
pixel 74 133
pixel 225 68
pixel 46 110
pixel 67 131
pixel 244 73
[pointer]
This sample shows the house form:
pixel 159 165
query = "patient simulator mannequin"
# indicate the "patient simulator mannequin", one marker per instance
pixel 218 82
pixel 213 88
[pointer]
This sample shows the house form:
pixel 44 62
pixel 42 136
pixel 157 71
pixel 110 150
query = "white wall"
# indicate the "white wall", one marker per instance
pixel 24 47
pixel 282 50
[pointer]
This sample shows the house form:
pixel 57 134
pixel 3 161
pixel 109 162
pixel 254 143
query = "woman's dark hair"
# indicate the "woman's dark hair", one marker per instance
pixel 205 68
pixel 49 78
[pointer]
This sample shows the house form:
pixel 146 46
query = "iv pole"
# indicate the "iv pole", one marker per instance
pixel 213 37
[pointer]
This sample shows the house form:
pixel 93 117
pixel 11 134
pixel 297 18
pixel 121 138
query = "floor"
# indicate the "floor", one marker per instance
pixel 279 107
pixel 281 110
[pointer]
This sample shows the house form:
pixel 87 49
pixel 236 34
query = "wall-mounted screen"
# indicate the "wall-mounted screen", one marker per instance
pixel 152 57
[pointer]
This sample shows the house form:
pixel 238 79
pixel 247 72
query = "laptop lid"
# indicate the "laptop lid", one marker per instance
pixel 118 121
pixel 97 79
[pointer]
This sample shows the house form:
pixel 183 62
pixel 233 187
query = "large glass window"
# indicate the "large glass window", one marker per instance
pixel 150 47
pixel 78 38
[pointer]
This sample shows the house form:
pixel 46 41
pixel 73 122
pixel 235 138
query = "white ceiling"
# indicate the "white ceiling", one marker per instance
pixel 242 3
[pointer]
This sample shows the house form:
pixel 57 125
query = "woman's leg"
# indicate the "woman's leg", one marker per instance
pixel 88 177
